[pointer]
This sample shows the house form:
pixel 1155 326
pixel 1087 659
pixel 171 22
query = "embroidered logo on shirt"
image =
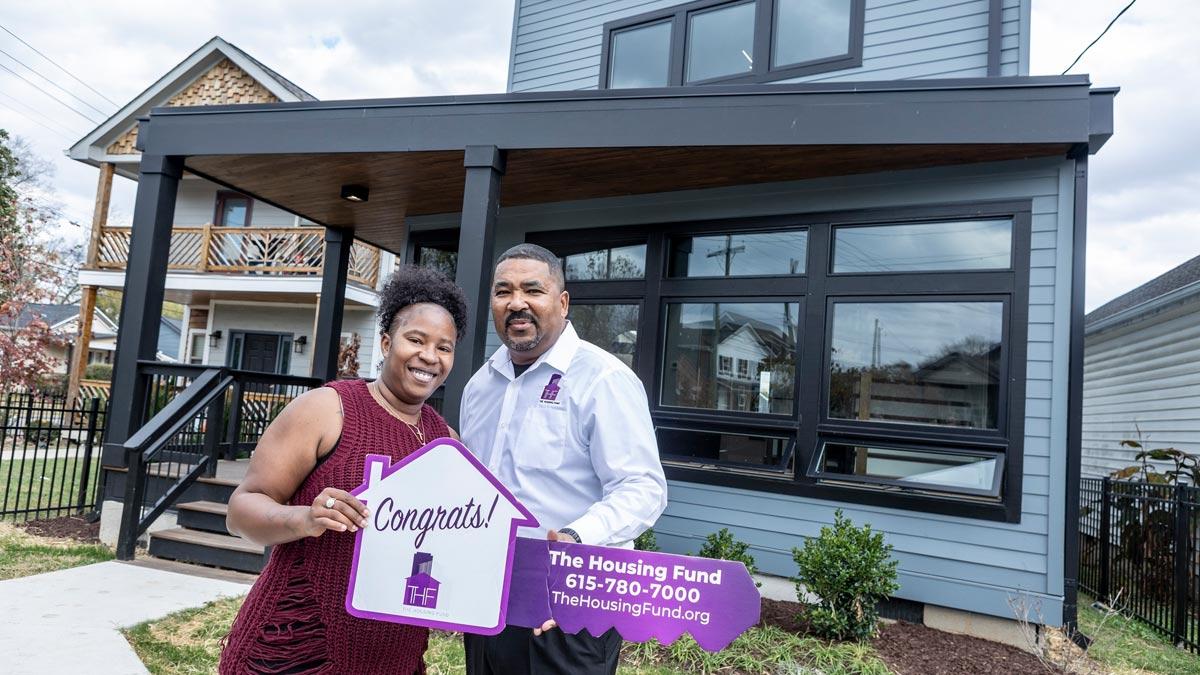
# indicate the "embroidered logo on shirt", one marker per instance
pixel 550 393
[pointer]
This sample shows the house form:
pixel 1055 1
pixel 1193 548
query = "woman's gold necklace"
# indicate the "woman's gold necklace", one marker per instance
pixel 414 428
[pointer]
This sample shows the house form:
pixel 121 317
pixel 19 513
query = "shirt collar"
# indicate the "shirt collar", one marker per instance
pixel 559 356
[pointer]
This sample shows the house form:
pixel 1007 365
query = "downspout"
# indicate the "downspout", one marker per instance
pixel 1075 400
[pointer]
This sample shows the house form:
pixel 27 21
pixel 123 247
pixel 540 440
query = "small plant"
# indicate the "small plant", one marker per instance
pixel 43 432
pixel 98 371
pixel 721 545
pixel 850 569
pixel 646 542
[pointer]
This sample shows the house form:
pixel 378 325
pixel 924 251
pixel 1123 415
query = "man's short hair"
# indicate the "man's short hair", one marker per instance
pixel 535 252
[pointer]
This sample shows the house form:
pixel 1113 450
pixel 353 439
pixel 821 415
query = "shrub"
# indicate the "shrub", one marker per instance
pixel 42 432
pixel 98 371
pixel 721 545
pixel 646 542
pixel 850 569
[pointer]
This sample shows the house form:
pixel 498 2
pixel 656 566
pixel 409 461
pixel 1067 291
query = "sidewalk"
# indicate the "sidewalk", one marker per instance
pixel 69 621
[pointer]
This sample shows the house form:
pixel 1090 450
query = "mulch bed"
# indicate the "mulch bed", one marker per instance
pixel 66 527
pixel 912 649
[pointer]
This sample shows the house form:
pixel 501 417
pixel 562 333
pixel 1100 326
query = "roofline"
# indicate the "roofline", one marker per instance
pixel 129 114
pixel 1154 304
pixel 705 91
pixel 1030 110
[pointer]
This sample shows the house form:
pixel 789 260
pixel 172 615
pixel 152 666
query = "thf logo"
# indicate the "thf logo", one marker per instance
pixel 550 393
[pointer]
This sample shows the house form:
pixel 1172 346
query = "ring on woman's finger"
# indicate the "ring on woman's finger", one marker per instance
pixel 330 502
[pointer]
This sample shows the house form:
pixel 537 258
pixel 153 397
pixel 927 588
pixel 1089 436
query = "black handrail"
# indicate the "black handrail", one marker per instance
pixel 148 441
pixel 203 398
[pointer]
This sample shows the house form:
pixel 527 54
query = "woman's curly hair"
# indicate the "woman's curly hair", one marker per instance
pixel 411 285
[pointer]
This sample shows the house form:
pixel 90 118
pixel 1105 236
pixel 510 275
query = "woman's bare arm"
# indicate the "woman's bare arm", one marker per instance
pixel 305 430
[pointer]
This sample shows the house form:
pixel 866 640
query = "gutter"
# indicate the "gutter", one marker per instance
pixel 1152 305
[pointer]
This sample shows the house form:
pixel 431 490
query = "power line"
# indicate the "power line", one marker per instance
pixel 69 74
pixel 52 82
pixel 1110 25
pixel 60 101
pixel 43 117
pixel 35 120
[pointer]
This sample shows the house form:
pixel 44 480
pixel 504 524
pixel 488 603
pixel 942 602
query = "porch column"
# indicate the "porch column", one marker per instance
pixel 328 332
pixel 141 306
pixel 87 298
pixel 476 244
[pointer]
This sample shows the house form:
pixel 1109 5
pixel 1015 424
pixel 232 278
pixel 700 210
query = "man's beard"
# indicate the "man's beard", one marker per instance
pixel 527 345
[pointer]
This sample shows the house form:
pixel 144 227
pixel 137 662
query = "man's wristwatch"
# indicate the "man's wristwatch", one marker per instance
pixel 571 533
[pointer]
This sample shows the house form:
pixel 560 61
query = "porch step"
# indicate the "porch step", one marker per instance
pixel 203 515
pixel 208 548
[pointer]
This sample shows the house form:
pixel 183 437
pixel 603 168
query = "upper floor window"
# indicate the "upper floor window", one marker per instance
pixel 233 209
pixel 713 41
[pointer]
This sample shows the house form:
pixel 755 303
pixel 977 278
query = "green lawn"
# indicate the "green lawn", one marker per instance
pixel 188 642
pixel 23 555
pixel 42 484
pixel 1127 645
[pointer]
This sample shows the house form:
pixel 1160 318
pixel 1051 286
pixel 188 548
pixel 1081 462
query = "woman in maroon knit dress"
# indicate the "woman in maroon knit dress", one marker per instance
pixel 295 495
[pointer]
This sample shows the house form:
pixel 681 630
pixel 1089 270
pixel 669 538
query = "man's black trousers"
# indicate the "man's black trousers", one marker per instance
pixel 516 651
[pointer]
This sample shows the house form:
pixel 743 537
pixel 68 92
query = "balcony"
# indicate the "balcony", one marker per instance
pixel 276 251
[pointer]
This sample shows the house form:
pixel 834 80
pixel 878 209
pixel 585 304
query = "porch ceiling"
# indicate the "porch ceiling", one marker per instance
pixel 418 183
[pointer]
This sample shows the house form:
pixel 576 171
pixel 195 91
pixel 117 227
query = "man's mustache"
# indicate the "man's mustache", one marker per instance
pixel 519 316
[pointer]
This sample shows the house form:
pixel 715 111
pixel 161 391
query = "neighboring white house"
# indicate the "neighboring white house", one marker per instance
pixel 1141 371
pixel 63 320
pixel 247 273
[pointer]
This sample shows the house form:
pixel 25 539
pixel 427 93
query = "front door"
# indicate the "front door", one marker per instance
pixel 260 352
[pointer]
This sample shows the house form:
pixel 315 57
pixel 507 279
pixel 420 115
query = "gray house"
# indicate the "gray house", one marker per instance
pixel 1140 373
pixel 878 190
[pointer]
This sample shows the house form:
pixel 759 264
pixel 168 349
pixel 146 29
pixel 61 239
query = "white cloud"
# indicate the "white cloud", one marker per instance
pixel 1144 206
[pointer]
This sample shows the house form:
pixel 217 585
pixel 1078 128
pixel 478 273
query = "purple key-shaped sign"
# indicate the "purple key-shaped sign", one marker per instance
pixel 440 550
pixel 643 595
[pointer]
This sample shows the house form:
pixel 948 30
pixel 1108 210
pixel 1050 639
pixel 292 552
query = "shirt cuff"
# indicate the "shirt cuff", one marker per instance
pixel 590 530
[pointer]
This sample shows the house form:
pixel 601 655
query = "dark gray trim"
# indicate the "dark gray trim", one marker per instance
pixel 141 308
pixel 764 35
pixel 476 253
pixel 1075 399
pixel 995 36
pixel 1019 110
pixel 815 290
pixel 327 336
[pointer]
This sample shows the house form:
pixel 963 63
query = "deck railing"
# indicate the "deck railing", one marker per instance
pixel 280 251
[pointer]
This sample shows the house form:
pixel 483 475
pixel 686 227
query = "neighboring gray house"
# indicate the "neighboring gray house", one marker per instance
pixel 1141 371
pixel 912 224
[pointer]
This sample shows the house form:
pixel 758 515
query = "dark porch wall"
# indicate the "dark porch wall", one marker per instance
pixel 970 564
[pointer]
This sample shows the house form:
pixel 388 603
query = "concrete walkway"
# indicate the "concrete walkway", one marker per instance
pixel 69 621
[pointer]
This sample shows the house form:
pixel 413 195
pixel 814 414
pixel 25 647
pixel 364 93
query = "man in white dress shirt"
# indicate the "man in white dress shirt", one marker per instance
pixel 566 426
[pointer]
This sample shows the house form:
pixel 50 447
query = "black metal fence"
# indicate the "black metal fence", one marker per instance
pixel 49 455
pixel 1138 550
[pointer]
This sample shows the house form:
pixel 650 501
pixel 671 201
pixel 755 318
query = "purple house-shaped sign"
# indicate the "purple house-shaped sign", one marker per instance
pixel 421 589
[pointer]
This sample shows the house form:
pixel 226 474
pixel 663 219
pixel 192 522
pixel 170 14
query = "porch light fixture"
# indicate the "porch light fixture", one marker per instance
pixel 298 344
pixel 214 339
pixel 355 193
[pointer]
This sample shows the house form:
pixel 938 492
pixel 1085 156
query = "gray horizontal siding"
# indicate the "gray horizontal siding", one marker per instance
pixel 957 562
pixel 557 43
pixel 1144 375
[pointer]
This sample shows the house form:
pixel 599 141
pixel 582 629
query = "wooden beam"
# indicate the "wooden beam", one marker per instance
pixel 83 341
pixel 100 211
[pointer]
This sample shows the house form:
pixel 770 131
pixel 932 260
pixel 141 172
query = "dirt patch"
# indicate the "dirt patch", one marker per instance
pixel 912 649
pixel 66 527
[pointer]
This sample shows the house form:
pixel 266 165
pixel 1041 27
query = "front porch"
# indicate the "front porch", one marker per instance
pixel 601 172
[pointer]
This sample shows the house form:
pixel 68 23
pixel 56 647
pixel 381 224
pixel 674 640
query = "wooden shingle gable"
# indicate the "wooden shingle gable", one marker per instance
pixel 223 84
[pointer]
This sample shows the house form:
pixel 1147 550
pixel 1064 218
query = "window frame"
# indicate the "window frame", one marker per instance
pixel 808 427
pixel 219 208
pixel 764 36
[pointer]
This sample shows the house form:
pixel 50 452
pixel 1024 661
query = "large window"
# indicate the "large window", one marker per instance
pixel 732 41
pixel 864 356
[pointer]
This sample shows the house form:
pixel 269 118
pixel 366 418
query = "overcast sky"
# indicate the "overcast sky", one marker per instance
pixel 1144 204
